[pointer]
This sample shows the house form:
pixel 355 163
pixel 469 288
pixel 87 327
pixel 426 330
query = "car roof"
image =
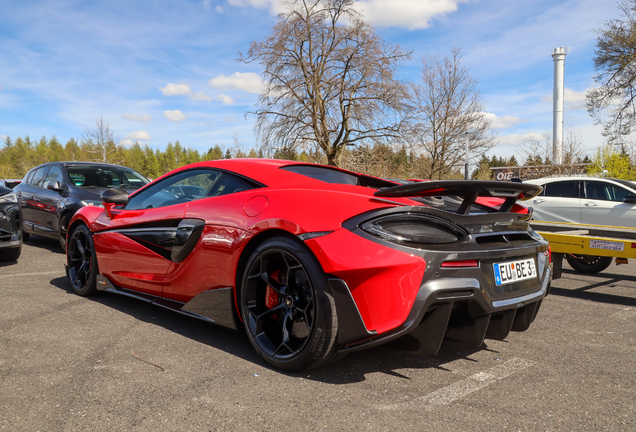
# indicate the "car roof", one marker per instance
pixel 78 163
pixel 554 179
pixel 268 172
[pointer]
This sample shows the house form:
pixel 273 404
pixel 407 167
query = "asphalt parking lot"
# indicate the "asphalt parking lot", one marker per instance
pixel 69 363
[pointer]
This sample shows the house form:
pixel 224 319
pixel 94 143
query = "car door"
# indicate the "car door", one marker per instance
pixel 134 248
pixel 46 213
pixel 559 202
pixel 29 198
pixel 223 211
pixel 603 205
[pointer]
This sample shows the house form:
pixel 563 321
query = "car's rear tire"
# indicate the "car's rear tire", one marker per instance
pixel 10 254
pixel 288 313
pixel 62 233
pixel 82 262
pixel 588 264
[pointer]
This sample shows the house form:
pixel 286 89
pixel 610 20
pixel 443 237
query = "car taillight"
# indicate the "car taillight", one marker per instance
pixel 413 230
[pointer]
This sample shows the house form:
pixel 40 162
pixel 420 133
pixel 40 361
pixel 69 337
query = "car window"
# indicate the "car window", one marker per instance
pixel 170 190
pixel 54 174
pixel 562 189
pixel 605 191
pixel 38 175
pixel 328 175
pixel 104 176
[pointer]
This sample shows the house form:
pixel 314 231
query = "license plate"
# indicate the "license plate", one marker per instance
pixel 514 271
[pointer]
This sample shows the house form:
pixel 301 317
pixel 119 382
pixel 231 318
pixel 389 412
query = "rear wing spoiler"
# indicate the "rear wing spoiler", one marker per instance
pixel 468 189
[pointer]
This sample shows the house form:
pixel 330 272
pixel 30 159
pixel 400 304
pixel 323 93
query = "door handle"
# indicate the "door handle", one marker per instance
pixel 591 204
pixel 538 200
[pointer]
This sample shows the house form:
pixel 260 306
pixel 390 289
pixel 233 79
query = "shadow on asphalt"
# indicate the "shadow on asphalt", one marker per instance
pixel 45 243
pixel 584 292
pixel 351 369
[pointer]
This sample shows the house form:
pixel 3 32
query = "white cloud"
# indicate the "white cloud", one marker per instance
pixel 176 90
pixel 184 90
pixel 175 116
pixel 574 100
pixel 226 100
pixel 137 117
pixel 3 137
pixel 410 14
pixel 275 6
pixel 207 4
pixel 219 9
pixel 515 140
pixel 200 96
pixel 138 136
pixel 503 122
pixel 249 82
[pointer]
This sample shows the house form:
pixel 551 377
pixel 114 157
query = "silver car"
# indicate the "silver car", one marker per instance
pixel 586 200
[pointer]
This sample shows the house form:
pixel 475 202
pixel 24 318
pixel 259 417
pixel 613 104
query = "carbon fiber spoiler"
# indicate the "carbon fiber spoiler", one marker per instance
pixel 468 189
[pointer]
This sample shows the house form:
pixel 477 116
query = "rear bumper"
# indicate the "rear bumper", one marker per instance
pixel 456 311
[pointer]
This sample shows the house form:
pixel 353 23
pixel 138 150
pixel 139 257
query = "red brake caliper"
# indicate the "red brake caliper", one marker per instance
pixel 271 296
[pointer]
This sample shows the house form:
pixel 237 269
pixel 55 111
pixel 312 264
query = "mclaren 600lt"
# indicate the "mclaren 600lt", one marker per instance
pixel 314 261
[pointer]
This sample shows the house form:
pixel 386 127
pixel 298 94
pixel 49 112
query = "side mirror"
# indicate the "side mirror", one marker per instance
pixel 54 185
pixel 113 197
pixel 630 199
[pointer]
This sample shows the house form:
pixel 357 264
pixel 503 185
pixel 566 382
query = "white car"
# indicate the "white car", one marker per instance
pixel 586 200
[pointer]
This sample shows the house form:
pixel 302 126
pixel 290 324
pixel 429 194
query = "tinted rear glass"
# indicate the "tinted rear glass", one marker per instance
pixel 100 176
pixel 563 189
pixel 327 175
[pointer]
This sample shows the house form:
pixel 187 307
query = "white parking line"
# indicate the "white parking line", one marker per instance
pixel 453 392
pixel 33 274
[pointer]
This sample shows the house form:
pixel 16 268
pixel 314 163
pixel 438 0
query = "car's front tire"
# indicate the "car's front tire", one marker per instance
pixel 82 262
pixel 10 254
pixel 588 264
pixel 288 313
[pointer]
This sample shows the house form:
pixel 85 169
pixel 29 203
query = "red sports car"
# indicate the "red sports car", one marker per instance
pixel 315 261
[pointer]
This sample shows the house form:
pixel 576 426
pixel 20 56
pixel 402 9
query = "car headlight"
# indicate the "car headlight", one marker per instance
pixel 413 230
pixel 92 203
pixel 9 198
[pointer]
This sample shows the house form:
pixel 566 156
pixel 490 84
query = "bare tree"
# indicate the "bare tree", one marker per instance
pixel 329 79
pixel 537 150
pixel 616 73
pixel 101 142
pixel 446 106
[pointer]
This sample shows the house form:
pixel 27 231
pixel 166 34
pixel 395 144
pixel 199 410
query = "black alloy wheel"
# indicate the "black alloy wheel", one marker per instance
pixel 82 264
pixel 288 315
pixel 588 264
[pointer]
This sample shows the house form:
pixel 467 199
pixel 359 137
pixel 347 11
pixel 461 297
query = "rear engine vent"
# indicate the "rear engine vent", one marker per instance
pixel 413 230
pixel 504 239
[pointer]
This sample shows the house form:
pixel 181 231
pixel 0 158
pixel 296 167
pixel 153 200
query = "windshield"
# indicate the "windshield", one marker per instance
pixel 99 176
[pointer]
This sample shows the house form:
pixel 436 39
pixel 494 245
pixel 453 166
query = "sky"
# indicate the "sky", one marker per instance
pixel 165 70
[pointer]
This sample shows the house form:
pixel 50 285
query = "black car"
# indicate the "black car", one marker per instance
pixel 10 183
pixel 50 194
pixel 10 226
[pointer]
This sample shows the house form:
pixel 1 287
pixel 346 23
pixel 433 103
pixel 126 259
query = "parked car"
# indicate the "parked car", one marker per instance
pixel 51 193
pixel 314 261
pixel 586 200
pixel 10 183
pixel 10 226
